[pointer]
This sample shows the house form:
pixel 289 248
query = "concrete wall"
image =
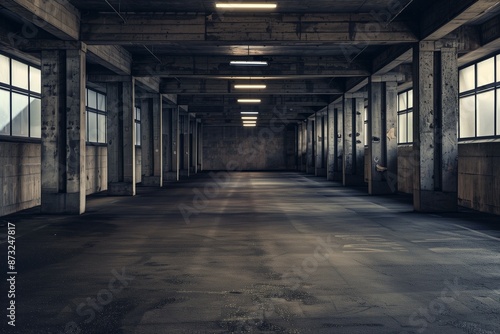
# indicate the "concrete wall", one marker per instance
pixel 96 168
pixel 138 164
pixel 236 144
pixel 479 176
pixel 20 176
pixel 405 169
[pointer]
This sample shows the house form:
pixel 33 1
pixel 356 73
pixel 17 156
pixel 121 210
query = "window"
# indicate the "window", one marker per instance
pixel 96 117
pixel 365 125
pixel 20 99
pixel 405 117
pixel 137 126
pixel 479 91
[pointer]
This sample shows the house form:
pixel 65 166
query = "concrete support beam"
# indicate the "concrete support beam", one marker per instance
pixel 339 125
pixel 382 144
pixel 171 144
pixel 320 166
pixel 310 150
pixel 435 117
pixel 184 145
pixel 63 174
pixel 353 157
pixel 195 145
pixel 151 129
pixel 114 58
pixel 200 146
pixel 121 138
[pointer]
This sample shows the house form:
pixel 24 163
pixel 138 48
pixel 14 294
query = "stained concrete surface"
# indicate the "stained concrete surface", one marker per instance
pixel 266 253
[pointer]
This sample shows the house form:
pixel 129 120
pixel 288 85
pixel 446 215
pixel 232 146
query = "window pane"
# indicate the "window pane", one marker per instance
pixel 20 115
pixel 138 114
pixel 467 117
pixel 4 112
pixel 91 99
pixel 498 68
pixel 402 104
pixel 402 124
pixel 498 112
pixel 138 133
pixel 19 74
pixel 101 119
pixel 410 99
pixel 35 118
pixel 101 102
pixel 92 124
pixel 4 70
pixel 467 78
pixel 35 80
pixel 365 129
pixel 410 127
pixel 486 114
pixel 486 72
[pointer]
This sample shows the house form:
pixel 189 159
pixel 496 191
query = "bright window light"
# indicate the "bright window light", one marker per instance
pixel 231 5
pixel 249 112
pixel 249 117
pixel 249 100
pixel 250 86
pixel 247 63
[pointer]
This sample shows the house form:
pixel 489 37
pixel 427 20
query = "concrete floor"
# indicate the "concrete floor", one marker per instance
pixel 267 253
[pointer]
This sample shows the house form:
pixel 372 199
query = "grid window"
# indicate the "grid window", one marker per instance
pixel 96 117
pixel 20 98
pixel 138 126
pixel 480 99
pixel 405 117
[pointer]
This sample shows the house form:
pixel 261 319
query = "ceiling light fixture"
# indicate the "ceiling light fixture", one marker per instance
pixel 249 122
pixel 249 117
pixel 249 125
pixel 233 5
pixel 249 100
pixel 248 63
pixel 249 112
pixel 250 86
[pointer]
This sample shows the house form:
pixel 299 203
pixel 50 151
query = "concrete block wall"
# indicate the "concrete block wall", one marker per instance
pixel 479 176
pixel 20 176
pixel 405 169
pixel 97 169
pixel 257 148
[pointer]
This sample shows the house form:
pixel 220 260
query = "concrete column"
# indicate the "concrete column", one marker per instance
pixel 63 147
pixel 348 171
pixel 195 145
pixel 359 157
pixel 320 167
pixel 200 148
pixel 171 143
pixel 151 128
pixel 435 145
pixel 332 143
pixel 339 127
pixel 310 147
pixel 184 150
pixel 391 130
pixel 121 138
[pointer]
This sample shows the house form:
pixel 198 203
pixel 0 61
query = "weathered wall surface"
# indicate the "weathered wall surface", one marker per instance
pixel 97 169
pixel 138 164
pixel 257 148
pixel 405 169
pixel 20 176
pixel 479 176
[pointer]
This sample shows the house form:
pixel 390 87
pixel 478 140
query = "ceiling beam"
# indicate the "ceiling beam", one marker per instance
pixel 275 100
pixel 219 67
pixel 269 28
pixel 444 16
pixel 112 57
pixel 59 18
pixel 282 87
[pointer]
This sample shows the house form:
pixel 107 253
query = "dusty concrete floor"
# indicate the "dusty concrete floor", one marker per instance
pixel 266 253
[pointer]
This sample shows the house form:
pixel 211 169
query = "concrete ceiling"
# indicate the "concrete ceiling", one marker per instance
pixel 322 47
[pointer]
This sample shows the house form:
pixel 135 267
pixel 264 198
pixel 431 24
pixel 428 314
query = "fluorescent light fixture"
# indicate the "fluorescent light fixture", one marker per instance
pixel 249 125
pixel 249 112
pixel 233 5
pixel 249 117
pixel 249 100
pixel 250 86
pixel 248 63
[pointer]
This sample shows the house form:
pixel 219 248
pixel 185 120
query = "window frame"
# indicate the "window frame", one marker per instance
pixel 137 123
pixel 493 87
pixel 29 93
pixel 97 112
pixel 407 111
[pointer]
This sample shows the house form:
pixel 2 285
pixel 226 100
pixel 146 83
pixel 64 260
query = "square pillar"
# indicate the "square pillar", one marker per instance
pixel 171 144
pixel 382 106
pixel 310 150
pixel 353 158
pixel 121 137
pixel 184 148
pixel 200 146
pixel 320 166
pixel 332 143
pixel 339 126
pixel 63 175
pixel 435 111
pixel 151 128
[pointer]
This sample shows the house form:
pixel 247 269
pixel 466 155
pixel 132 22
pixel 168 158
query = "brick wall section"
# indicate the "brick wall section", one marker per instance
pixel 257 148
pixel 20 176
pixel 479 176
pixel 406 163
